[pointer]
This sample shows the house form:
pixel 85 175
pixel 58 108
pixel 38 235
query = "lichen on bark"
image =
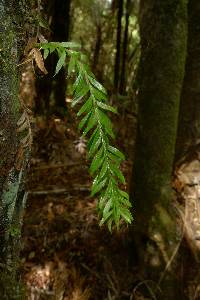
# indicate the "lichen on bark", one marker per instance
pixel 11 44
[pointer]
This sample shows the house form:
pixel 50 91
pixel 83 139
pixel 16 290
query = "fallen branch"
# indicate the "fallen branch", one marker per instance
pixel 56 166
pixel 58 191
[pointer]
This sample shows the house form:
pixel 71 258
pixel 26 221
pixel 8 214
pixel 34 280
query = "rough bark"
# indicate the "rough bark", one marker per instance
pixel 118 45
pixel 189 118
pixel 163 30
pixel 13 160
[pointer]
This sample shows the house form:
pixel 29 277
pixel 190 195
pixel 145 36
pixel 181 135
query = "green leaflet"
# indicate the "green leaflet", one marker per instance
pixel 98 94
pixel 117 172
pixel 60 50
pixel 72 65
pixel 105 121
pixel 77 82
pixel 105 217
pixel 101 203
pixel 116 214
pixel 60 63
pixel 109 224
pixel 116 152
pixel 107 208
pixel 103 170
pixel 86 107
pixel 46 53
pixel 70 45
pixel 97 161
pixel 84 120
pixel 114 203
pixel 80 85
pixel 105 195
pixel 106 107
pixel 51 50
pixel 104 118
pixel 125 213
pixel 107 211
pixel 91 139
pixel 97 186
pixel 91 123
pixel 97 85
pixel 124 195
pixel 114 158
pixel 125 202
pixel 79 95
pixel 95 145
pixel 50 46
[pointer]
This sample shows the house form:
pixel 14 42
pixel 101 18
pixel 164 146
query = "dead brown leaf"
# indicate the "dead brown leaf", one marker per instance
pixel 37 56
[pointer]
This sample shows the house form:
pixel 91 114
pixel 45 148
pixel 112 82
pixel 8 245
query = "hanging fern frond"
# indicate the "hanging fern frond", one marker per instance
pixel 113 204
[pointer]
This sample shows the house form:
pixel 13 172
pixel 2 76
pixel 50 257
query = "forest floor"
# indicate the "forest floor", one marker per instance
pixel 65 254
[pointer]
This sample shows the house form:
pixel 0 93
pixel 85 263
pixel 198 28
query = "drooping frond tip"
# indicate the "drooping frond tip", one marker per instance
pixel 114 204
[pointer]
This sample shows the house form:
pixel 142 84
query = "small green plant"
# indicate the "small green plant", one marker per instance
pixel 114 204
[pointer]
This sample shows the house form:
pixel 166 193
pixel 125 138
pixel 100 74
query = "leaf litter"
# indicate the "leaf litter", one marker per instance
pixel 66 255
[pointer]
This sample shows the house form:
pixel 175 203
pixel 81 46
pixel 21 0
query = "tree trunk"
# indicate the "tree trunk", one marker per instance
pixel 122 87
pixel 61 33
pixel 114 5
pixel 118 45
pixel 13 152
pixel 188 145
pixel 163 29
pixel 189 117
pixel 97 49
pixel 48 87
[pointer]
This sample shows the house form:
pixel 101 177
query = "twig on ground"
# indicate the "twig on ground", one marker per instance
pixel 57 166
pixel 59 191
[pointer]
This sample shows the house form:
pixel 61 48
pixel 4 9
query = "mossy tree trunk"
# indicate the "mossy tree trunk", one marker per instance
pixel 163 30
pixel 13 158
pixel 189 117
